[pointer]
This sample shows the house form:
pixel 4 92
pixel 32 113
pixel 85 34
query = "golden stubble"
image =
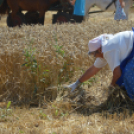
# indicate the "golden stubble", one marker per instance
pixel 58 112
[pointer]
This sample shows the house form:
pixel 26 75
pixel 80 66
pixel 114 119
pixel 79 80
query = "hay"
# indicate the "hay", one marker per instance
pixel 33 58
pixel 112 100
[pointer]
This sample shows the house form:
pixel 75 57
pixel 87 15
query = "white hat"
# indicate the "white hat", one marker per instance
pixel 95 44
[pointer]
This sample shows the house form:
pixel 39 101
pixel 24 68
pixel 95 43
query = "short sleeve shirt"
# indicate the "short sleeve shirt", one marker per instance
pixel 115 50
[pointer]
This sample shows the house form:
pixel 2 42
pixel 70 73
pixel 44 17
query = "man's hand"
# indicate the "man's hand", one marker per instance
pixel 74 85
pixel 116 75
pixel 123 4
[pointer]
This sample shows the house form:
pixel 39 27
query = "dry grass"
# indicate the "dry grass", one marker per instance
pixel 40 82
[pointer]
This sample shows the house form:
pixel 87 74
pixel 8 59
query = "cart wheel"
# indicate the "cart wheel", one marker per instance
pixel 17 21
pixel 61 18
pixel 31 18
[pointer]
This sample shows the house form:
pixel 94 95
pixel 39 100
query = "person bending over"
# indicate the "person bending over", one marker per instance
pixel 116 50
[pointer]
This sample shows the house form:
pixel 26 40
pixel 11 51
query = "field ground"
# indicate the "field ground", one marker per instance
pixel 63 115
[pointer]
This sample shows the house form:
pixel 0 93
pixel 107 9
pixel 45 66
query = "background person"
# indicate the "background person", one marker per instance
pixel 79 9
pixel 116 50
pixel 120 14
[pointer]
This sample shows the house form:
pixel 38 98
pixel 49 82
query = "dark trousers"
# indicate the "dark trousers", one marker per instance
pixel 77 18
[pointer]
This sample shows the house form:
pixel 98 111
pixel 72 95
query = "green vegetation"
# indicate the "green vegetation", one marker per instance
pixel 31 65
pixel 5 112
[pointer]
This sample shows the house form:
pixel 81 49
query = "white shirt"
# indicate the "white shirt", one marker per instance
pixel 115 49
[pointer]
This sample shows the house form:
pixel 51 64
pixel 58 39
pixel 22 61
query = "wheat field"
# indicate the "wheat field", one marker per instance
pixel 36 64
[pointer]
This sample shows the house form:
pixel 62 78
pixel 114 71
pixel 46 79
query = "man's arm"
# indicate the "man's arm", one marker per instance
pixel 116 75
pixel 122 3
pixel 72 2
pixel 89 73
